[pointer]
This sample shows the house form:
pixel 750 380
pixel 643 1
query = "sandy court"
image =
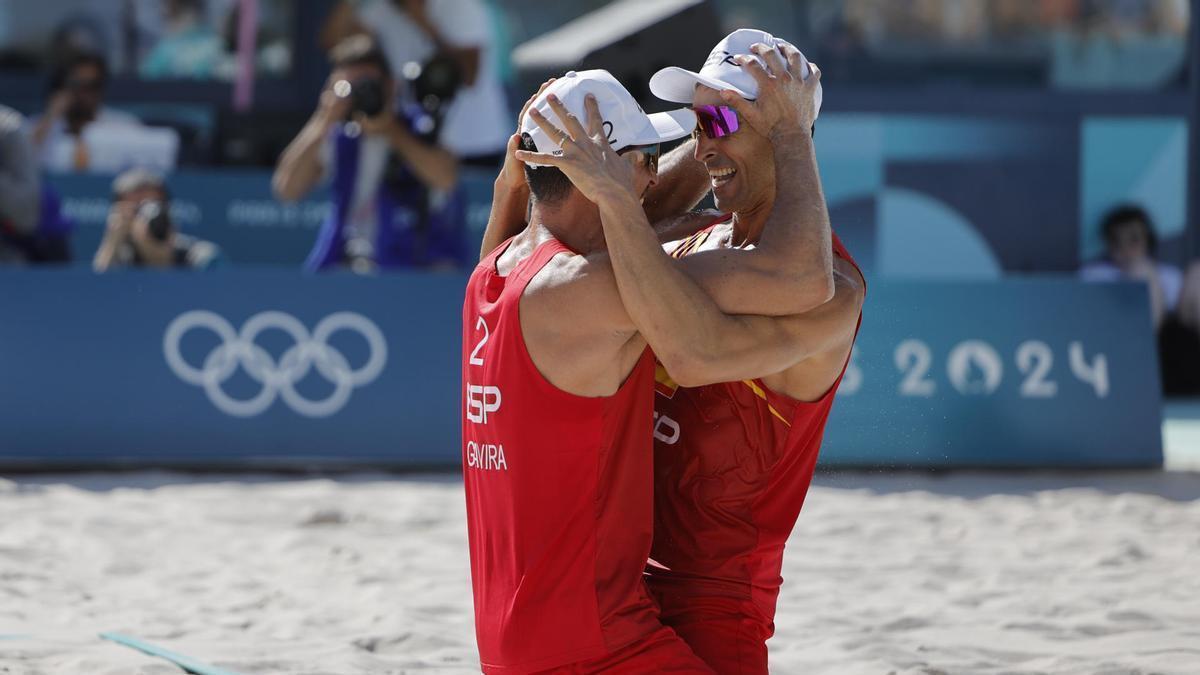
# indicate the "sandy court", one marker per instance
pixel 885 573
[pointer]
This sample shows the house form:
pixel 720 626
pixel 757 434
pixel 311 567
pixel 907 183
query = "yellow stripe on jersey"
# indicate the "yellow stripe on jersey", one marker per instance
pixel 663 383
pixel 763 395
pixel 687 246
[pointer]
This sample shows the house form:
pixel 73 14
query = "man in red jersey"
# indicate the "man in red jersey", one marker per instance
pixel 558 393
pixel 733 460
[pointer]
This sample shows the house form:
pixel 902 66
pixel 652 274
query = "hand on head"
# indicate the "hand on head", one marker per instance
pixel 786 100
pixel 512 175
pixel 587 158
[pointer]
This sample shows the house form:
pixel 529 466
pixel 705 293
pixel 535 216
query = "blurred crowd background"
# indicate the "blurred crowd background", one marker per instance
pixel 962 139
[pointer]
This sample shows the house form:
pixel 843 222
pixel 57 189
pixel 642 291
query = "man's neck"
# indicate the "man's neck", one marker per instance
pixel 575 225
pixel 748 224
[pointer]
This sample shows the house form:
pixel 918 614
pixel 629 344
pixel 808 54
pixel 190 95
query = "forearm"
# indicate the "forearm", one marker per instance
pixel 682 183
pixel 796 239
pixel 510 208
pixel 434 166
pixel 299 166
pixel 674 314
pixel 106 255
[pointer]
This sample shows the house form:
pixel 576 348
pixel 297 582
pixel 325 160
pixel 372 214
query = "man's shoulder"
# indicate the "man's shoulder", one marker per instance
pixel 564 271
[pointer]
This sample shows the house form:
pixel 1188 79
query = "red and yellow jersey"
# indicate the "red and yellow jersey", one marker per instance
pixel 558 488
pixel 732 465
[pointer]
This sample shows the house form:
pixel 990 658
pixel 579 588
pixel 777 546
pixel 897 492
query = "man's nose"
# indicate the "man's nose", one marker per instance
pixel 705 148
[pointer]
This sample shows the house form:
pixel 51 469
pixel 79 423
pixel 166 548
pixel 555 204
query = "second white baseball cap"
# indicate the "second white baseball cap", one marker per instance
pixel 720 71
pixel 625 123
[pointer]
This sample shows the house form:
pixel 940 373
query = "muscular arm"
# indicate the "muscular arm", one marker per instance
pixel 578 334
pixel 732 348
pixel 692 311
pixel 795 250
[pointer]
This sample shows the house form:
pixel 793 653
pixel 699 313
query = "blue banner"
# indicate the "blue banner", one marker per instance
pixel 274 368
pixel 236 210
pixel 1015 373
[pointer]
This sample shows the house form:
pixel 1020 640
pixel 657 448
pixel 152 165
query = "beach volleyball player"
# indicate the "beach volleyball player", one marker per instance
pixel 557 462
pixel 558 389
pixel 734 460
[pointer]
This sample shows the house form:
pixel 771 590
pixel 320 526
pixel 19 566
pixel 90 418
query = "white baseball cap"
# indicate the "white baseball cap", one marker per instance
pixel 625 123
pixel 720 71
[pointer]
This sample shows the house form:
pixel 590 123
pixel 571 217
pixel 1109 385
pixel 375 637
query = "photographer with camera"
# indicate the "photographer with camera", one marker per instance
pixel 396 202
pixel 448 35
pixel 76 104
pixel 140 232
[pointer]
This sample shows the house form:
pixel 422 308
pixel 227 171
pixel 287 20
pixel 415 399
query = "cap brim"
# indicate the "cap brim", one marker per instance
pixel 677 85
pixel 668 126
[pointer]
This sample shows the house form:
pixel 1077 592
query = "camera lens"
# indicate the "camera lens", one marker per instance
pixel 367 94
pixel 157 218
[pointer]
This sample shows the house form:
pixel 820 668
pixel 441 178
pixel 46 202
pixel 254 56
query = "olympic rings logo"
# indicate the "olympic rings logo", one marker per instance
pixel 278 380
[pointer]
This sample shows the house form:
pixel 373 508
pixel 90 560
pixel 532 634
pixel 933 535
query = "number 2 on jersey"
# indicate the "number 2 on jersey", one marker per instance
pixel 476 359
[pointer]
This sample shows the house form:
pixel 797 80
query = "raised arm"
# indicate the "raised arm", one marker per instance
pixel 299 167
pixel 510 196
pixel 789 273
pixel 687 309
pixel 795 251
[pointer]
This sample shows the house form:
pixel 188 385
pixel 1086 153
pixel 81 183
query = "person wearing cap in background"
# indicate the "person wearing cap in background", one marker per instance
pixel 733 459
pixel 141 233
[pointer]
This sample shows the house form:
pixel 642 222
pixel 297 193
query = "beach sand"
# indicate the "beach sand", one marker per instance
pixel 885 573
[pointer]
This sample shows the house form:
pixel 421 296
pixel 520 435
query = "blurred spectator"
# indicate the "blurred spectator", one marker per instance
pixel 140 232
pixel 394 188
pixel 77 102
pixel 1130 248
pixel 79 133
pixel 415 31
pixel 189 47
pixel 20 195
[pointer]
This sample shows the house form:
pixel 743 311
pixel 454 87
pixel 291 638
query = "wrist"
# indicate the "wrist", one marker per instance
pixel 322 121
pixel 791 135
pixel 615 197
pixel 504 187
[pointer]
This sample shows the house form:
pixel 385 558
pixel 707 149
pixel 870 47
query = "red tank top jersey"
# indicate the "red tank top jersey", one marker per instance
pixel 733 462
pixel 559 492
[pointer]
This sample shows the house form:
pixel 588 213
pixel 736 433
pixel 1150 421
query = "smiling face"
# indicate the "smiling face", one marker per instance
pixel 741 165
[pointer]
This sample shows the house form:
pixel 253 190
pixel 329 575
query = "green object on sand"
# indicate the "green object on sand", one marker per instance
pixel 187 663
